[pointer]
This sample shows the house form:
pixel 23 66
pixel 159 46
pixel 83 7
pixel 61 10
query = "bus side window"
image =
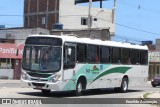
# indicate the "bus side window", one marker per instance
pixel 105 54
pixel 93 54
pixel 125 56
pixel 143 57
pixel 116 55
pixel 69 57
pixel 81 53
pixel 135 56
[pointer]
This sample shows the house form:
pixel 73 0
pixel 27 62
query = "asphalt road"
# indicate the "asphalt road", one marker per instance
pixel 14 90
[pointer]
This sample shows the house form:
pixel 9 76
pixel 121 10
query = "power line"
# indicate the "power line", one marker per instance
pixel 12 15
pixel 126 39
pixel 140 30
pixel 139 7
pixel 122 25
pixel 10 24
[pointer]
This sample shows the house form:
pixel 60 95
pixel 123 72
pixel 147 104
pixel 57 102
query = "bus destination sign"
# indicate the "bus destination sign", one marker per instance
pixel 44 41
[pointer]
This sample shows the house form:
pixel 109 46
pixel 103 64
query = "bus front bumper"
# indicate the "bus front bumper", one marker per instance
pixel 41 85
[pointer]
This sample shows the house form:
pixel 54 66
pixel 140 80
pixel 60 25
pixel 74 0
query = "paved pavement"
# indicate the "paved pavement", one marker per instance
pixel 18 81
pixel 9 81
pixel 153 94
pixel 150 95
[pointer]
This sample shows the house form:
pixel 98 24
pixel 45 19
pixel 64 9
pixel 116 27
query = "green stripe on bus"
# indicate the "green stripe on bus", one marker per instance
pixel 122 70
pixel 71 84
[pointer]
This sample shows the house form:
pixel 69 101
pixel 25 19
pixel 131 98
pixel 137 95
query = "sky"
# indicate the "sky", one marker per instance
pixel 136 20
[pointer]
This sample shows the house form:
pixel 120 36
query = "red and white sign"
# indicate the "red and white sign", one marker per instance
pixel 8 50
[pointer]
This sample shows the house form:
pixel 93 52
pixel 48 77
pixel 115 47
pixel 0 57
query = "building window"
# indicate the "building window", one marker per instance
pixel 43 20
pixel 84 21
pixel 6 63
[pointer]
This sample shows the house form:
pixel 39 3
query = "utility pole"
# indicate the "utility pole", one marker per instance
pixel 114 12
pixel 89 18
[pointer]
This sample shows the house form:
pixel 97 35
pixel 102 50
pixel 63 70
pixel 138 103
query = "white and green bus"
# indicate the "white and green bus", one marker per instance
pixel 65 63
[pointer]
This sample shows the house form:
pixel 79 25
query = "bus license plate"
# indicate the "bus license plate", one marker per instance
pixel 38 87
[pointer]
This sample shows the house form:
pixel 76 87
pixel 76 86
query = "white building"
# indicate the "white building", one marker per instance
pixel 76 17
pixel 46 13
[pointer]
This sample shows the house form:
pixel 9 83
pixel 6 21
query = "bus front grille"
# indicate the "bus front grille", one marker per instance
pixel 32 74
pixel 38 84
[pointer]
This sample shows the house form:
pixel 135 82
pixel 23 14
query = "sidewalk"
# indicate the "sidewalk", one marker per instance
pixel 9 81
pixel 154 95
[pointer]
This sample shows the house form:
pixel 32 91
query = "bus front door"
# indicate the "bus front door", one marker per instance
pixel 69 62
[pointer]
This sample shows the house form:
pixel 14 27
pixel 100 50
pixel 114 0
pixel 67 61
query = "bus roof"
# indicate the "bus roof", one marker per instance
pixel 75 39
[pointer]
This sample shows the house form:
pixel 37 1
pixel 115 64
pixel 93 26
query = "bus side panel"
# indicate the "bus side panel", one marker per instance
pixel 107 75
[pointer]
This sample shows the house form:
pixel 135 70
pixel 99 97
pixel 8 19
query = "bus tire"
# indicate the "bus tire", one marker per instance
pixel 79 87
pixel 46 92
pixel 124 85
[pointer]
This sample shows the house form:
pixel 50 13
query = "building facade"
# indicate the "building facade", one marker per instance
pixel 18 35
pixel 41 13
pixel 154 64
pixel 158 44
pixel 154 60
pixel 10 60
pixel 102 34
pixel 46 13
pixel 10 40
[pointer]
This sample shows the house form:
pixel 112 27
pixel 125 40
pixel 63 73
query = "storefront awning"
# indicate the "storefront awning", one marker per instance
pixel 8 50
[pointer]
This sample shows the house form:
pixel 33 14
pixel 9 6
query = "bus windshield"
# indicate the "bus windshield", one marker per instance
pixel 42 58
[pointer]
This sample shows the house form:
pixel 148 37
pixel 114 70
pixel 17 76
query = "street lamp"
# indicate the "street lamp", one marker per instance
pixel 95 19
pixel 98 13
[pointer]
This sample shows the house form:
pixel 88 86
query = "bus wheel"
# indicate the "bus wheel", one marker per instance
pixel 124 85
pixel 79 87
pixel 46 92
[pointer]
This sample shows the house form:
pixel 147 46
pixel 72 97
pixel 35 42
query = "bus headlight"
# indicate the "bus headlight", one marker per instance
pixel 24 76
pixel 55 78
